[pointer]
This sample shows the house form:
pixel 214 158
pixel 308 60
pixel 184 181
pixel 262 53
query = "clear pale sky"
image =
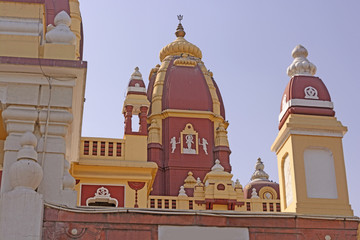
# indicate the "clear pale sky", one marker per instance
pixel 247 45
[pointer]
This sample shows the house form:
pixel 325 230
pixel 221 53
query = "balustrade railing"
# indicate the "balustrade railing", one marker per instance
pixel 102 148
pixel 188 203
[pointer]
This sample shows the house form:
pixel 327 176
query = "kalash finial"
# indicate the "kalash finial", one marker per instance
pixel 301 65
pixel 180 30
pixel 259 171
pixel 136 74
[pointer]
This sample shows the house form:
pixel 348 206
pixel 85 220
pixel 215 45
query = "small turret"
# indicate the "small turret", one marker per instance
pixel 136 103
pixel 261 185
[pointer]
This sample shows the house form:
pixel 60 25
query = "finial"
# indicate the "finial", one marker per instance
pixel 254 194
pixel 259 171
pixel 61 32
pixel 136 74
pixel 237 184
pixel 217 166
pixel 189 181
pixel 180 30
pixel 182 192
pixel 301 65
pixel 180 17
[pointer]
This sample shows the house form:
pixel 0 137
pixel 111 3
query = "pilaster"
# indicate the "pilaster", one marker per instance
pixel 52 150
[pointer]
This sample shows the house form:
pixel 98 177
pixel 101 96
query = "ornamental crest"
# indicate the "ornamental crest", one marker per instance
pixel 102 195
pixel 311 93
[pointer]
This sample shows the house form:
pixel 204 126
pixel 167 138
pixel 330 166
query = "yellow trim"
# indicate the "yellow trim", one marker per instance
pixel 188 114
pixel 179 46
pixel 76 24
pixel 136 101
pixel 124 171
pixel 212 89
pixel 22 10
pixel 156 100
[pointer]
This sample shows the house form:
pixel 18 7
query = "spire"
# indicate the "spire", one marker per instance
pixel 180 45
pixel 301 65
pixel 136 74
pixel 259 171
pixel 180 29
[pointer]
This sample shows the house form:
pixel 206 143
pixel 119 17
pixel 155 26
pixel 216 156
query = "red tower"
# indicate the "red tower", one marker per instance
pixel 187 130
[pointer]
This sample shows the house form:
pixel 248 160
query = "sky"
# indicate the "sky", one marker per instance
pixel 247 45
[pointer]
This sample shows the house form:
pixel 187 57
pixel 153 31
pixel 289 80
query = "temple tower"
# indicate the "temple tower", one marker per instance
pixel 187 127
pixel 309 145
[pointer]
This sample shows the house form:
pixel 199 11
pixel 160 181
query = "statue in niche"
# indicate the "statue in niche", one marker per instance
pixel 173 144
pixel 189 141
pixel 204 144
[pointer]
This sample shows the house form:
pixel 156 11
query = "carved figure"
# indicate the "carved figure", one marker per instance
pixel 204 145
pixel 173 144
pixel 189 140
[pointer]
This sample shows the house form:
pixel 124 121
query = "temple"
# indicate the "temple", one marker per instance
pixel 169 177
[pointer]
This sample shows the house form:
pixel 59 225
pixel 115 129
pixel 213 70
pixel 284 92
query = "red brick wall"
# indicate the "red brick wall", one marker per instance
pixel 140 224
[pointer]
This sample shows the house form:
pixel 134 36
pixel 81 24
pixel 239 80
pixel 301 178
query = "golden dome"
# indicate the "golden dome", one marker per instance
pixel 180 45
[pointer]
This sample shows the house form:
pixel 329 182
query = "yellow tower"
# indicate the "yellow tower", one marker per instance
pixel 309 145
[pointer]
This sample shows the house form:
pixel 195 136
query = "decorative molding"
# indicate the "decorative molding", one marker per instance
pixel 285 134
pixel 304 103
pixel 136 89
pixel 136 186
pixel 185 61
pixel 264 191
pixel 21 26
